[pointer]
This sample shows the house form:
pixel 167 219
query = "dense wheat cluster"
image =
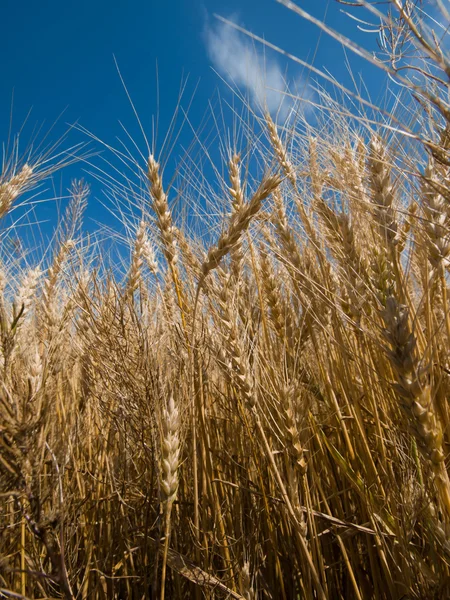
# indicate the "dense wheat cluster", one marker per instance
pixel 262 416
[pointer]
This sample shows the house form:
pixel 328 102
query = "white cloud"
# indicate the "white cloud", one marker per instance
pixel 250 69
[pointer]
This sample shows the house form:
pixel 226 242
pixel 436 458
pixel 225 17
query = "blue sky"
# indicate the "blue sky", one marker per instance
pixel 58 56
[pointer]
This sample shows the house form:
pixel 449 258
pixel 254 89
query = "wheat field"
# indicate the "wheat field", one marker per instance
pixel 257 413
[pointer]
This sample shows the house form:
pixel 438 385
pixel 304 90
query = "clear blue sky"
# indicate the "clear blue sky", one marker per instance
pixel 58 56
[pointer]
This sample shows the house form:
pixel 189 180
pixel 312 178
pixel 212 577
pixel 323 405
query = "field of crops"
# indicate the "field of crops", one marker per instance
pixel 264 415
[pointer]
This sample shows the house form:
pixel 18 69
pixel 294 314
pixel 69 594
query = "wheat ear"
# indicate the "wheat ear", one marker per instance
pixel 237 195
pixel 167 230
pixel 234 360
pixel 135 272
pixel 162 210
pixel 247 590
pixel 11 189
pixel 382 196
pixel 53 273
pixel 414 390
pixel 239 224
pixel 289 171
pixel 412 384
pixel 170 457
pixel 436 208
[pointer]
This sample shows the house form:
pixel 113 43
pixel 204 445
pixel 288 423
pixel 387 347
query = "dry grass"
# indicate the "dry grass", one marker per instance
pixel 266 417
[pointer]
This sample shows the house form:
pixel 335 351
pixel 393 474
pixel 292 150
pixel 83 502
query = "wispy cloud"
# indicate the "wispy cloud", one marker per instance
pixel 250 69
